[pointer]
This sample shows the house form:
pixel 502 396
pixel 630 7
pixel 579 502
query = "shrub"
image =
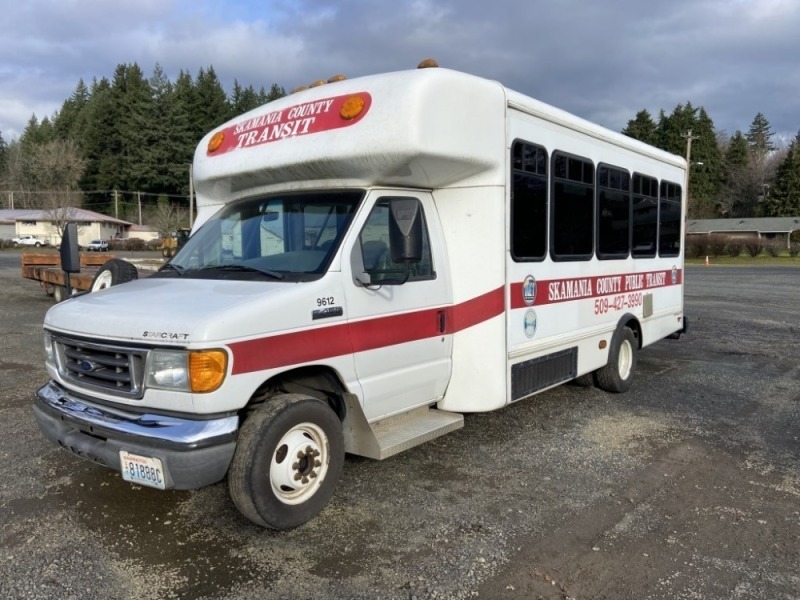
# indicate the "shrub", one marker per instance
pixel 135 244
pixel 734 247
pixel 696 245
pixel 773 248
pixel 716 244
pixel 753 246
pixel 794 249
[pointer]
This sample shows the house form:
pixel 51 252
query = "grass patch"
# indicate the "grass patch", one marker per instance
pixel 747 261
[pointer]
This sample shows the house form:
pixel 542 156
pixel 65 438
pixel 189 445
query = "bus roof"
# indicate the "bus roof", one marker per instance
pixel 422 128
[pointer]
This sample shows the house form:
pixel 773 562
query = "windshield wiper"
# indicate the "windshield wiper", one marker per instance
pixel 267 272
pixel 176 268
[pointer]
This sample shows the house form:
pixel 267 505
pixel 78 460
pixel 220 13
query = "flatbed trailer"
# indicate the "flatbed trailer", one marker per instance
pixel 46 269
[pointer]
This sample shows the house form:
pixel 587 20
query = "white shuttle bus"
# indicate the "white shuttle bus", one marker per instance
pixel 372 259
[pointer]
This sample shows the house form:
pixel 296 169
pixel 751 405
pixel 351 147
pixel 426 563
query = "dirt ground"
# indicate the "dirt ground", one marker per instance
pixel 686 487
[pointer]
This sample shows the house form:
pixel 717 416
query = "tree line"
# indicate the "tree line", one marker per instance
pixel 743 175
pixel 117 144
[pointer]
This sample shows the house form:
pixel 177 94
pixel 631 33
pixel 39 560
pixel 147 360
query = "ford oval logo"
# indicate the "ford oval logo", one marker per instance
pixel 87 366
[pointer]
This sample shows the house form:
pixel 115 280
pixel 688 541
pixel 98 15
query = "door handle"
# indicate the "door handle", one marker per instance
pixel 442 321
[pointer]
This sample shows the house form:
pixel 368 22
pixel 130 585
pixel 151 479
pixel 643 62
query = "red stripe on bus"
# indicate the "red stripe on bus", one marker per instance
pixel 553 291
pixel 346 338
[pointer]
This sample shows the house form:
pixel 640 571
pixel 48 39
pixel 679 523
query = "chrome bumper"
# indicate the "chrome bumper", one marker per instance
pixel 194 452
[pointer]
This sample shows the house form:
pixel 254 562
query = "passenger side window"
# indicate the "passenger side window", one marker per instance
pixel 376 255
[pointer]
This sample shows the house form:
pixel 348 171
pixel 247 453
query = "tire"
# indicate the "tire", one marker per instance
pixel 585 380
pixel 114 272
pixel 617 375
pixel 271 479
pixel 59 293
pixel 37 244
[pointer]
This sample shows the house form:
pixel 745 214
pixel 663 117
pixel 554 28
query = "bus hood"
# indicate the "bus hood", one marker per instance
pixel 183 311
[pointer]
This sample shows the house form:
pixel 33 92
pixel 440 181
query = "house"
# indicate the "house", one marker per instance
pixel 46 224
pixel 765 228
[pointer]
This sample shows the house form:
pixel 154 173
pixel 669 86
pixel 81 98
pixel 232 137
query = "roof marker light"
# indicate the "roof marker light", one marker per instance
pixel 216 141
pixel 317 83
pixel 336 78
pixel 352 107
pixel 427 64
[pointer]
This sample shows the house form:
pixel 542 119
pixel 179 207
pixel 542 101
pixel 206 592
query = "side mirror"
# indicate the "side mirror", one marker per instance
pixel 405 230
pixel 70 253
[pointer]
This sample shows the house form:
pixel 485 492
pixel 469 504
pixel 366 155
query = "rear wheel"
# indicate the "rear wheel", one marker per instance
pixel 114 272
pixel 287 462
pixel 617 375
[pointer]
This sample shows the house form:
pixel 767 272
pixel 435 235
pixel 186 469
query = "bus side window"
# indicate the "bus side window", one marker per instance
pixel 645 216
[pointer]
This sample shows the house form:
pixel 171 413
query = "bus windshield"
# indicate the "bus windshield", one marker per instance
pixel 289 237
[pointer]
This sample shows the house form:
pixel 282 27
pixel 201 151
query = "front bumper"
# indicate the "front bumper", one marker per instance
pixel 194 452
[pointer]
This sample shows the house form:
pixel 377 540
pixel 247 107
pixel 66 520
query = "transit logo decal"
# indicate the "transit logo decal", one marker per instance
pixel 294 121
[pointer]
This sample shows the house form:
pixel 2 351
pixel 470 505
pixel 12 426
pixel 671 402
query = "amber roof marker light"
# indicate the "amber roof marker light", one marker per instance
pixel 428 63
pixel 216 141
pixel 352 107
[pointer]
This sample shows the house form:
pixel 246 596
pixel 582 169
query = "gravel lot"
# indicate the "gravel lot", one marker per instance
pixel 687 487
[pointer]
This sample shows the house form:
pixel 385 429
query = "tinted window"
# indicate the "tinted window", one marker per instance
pixel 573 208
pixel 669 232
pixel 613 212
pixel 645 216
pixel 528 202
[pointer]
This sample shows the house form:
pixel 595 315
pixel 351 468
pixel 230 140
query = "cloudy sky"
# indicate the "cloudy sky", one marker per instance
pixel 601 59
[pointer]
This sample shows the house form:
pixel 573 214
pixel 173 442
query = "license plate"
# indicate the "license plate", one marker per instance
pixel 144 470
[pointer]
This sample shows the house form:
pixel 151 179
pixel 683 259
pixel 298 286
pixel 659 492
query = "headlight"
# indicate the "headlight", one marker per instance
pixel 196 371
pixel 48 347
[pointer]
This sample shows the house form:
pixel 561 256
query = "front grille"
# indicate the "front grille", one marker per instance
pixel 113 369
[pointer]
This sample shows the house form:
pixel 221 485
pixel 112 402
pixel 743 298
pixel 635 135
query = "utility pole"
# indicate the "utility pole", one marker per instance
pixel 116 205
pixel 689 137
pixel 139 198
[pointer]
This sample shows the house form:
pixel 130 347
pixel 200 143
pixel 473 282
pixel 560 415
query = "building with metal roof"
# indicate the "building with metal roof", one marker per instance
pixel 46 224
pixel 766 227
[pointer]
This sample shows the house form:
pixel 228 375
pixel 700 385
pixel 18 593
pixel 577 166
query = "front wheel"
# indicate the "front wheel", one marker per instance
pixel 287 462
pixel 617 375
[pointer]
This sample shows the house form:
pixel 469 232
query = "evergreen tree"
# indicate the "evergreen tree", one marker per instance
pixel 3 153
pixel 68 122
pixel 673 128
pixel 183 132
pixel 131 93
pixel 737 154
pixel 172 144
pixel 642 128
pixel 100 139
pixel 705 172
pixel 210 107
pixel 738 187
pixel 243 100
pixel 783 199
pixel 275 92
pixel 760 137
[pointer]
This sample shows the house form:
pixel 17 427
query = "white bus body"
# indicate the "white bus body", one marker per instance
pixel 371 260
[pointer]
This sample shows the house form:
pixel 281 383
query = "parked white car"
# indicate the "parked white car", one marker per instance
pixel 97 246
pixel 28 240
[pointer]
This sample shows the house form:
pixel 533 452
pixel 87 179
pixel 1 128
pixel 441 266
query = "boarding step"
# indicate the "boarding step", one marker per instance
pixel 390 436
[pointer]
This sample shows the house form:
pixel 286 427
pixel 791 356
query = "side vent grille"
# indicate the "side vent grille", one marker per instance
pixel 539 373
